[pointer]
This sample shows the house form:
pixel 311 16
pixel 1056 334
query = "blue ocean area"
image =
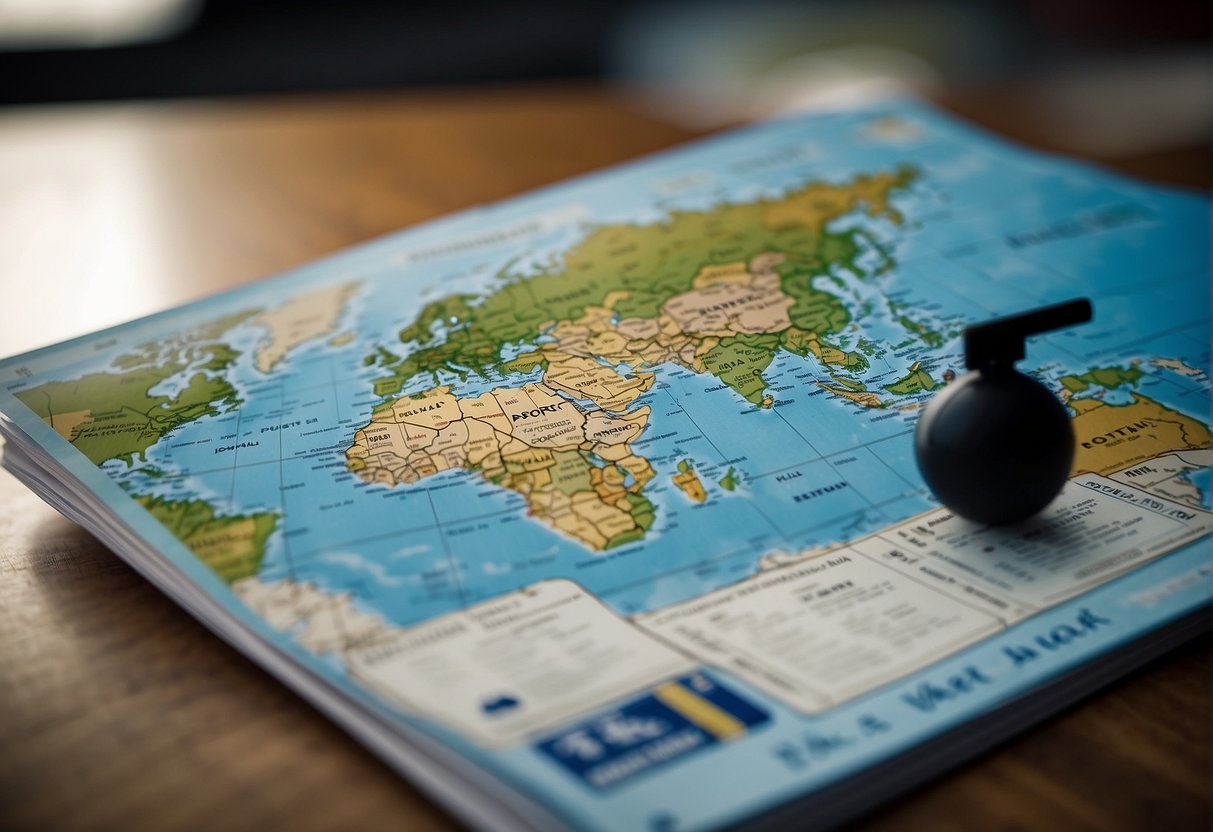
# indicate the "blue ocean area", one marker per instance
pixel 1202 480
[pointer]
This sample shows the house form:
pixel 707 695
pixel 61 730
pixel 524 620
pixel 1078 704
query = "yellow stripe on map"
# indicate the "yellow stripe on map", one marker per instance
pixel 700 711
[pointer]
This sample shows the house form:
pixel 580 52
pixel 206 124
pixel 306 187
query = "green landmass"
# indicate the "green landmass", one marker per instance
pixel 643 511
pixel 233 546
pixel 925 334
pixel 730 480
pixel 524 363
pixel 739 362
pixel 571 473
pixel 440 315
pixel 917 379
pixel 850 383
pixel 188 347
pixel 799 342
pixel 113 415
pixel 624 538
pixel 1108 378
pixel 684 466
pixel 651 263
pixel 870 348
pixel 815 310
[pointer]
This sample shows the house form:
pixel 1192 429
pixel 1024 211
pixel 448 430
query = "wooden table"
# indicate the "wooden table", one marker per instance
pixel 117 710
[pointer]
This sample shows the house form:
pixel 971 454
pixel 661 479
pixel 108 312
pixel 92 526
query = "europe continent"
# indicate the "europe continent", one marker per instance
pixel 718 291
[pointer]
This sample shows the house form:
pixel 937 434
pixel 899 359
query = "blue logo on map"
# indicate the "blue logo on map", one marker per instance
pixel 499 705
pixel 669 722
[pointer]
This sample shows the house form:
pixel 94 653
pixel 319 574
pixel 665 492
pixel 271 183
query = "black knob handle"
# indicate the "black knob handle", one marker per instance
pixel 1000 342
pixel 996 446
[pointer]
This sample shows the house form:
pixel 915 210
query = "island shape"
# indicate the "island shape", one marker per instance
pixel 300 319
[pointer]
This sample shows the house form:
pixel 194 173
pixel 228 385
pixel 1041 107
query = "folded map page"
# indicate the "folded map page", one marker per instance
pixel 573 504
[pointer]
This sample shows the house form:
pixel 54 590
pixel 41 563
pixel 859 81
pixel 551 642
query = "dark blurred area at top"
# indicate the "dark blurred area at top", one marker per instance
pixel 225 47
pixel 87 50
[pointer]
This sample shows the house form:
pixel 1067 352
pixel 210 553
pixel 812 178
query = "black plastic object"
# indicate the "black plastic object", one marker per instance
pixel 996 446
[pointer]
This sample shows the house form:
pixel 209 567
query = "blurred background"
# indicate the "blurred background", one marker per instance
pixel 1109 77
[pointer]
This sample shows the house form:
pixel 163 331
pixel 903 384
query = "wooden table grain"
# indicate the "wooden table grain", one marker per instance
pixel 119 711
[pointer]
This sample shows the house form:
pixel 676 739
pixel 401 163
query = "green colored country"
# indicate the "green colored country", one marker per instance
pixel 739 362
pixel 730 481
pixel 850 384
pixel 524 363
pixel 643 514
pixel 799 342
pixel 642 511
pixel 924 333
pixel 380 356
pixel 916 380
pixel 233 546
pixel 814 310
pixel 189 347
pixel 571 473
pixel 114 416
pixel 1107 377
pixel 870 348
pixel 447 313
pixel 651 263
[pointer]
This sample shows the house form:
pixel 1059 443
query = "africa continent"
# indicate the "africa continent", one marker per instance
pixel 718 291
pixel 576 469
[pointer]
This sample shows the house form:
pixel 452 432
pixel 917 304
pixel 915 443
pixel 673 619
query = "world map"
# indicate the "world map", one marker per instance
pixel 653 382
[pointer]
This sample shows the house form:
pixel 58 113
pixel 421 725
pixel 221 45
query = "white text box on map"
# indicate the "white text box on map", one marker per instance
pixel 1096 529
pixel 819 631
pixel 516 664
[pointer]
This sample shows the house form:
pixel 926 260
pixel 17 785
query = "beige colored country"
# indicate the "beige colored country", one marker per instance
pixel 302 318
